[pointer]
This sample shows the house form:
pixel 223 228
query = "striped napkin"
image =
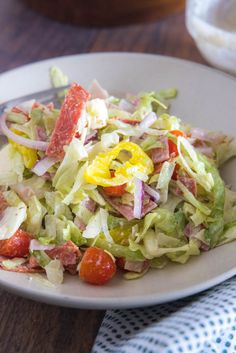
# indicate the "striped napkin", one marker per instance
pixel 204 323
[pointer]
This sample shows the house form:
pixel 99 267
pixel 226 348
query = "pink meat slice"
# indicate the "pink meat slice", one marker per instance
pixel 68 254
pixel 160 154
pixel 66 125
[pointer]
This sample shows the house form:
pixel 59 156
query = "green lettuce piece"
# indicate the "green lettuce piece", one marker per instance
pixel 228 235
pixel 162 220
pixel 12 171
pixel 230 206
pixel 167 122
pixel 215 229
pixel 35 214
pixel 11 264
pixel 76 188
pixel 159 262
pixel 17 118
pixel 158 244
pixel 54 271
pixel 224 152
pixel 58 78
pixel 69 167
pixel 71 232
pixel 55 205
pixel 188 196
pixel 116 250
pixel 49 120
pixel 42 258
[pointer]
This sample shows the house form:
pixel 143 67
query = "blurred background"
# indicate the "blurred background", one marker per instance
pixel 33 30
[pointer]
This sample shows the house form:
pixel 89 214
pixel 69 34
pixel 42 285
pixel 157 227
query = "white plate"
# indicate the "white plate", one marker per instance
pixel 206 99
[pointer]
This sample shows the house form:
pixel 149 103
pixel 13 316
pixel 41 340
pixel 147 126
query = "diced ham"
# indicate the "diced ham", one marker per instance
pixel 136 266
pixel 160 154
pixel 66 125
pixel 68 254
pixel 190 184
pixel 126 210
pixel 191 230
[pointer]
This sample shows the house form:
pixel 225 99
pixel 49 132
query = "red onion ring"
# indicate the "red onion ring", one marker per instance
pixel 36 145
pixel 43 165
pixel 138 198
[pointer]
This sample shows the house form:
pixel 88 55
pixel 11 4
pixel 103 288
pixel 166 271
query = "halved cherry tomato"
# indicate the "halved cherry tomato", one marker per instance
pixel 17 245
pixel 172 146
pixel 96 266
pixel 115 191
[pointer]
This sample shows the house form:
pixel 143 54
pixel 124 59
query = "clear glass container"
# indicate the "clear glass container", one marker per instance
pixel 212 24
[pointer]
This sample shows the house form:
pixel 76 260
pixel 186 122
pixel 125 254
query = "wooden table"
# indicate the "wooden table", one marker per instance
pixel 27 326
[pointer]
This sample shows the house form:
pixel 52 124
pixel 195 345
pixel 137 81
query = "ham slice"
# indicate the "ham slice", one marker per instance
pixel 160 154
pixel 68 254
pixel 126 210
pixel 190 184
pixel 66 125
pixel 136 266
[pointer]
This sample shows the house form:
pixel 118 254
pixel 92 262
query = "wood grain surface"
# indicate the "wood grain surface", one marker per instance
pixel 25 36
pixel 106 12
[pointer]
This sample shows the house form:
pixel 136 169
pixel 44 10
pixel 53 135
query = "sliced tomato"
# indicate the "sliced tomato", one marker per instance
pixel 115 191
pixel 66 125
pixel 17 245
pixel 127 121
pixel 176 171
pixel 172 146
pixel 96 266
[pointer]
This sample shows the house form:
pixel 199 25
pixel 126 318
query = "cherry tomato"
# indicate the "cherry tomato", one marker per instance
pixel 17 245
pixel 115 191
pixel 96 266
pixel 172 146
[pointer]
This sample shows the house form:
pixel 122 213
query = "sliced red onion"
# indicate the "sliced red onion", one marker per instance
pixel 36 245
pixel 97 91
pixel 36 145
pixel 26 107
pixel 90 137
pixel 43 165
pixel 89 204
pixel 148 120
pixel 155 196
pixel 126 106
pixel 138 198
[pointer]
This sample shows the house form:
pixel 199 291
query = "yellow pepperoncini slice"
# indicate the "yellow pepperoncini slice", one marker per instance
pixel 139 164
pixel 29 155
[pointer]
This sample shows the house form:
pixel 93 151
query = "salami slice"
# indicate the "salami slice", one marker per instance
pixel 66 125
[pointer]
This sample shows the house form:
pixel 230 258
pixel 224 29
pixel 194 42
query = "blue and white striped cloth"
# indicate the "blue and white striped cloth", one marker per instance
pixel 204 323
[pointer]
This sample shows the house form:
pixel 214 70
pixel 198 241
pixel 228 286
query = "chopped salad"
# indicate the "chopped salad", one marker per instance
pixel 106 183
